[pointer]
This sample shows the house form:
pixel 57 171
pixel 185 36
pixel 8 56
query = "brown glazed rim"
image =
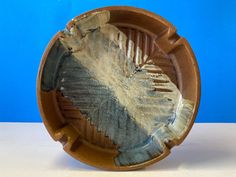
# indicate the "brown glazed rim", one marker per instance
pixel 191 58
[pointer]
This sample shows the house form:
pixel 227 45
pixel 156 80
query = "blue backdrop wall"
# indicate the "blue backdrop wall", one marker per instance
pixel 27 26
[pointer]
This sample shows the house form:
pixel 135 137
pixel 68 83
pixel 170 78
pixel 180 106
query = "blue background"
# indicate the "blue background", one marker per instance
pixel 27 26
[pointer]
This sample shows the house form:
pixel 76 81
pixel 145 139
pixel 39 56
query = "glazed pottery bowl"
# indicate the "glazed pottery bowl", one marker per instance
pixel 118 87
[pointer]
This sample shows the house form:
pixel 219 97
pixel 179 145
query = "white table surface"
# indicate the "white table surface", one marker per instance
pixel 26 150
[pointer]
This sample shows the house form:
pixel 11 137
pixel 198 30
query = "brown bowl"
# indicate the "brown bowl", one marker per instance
pixel 118 88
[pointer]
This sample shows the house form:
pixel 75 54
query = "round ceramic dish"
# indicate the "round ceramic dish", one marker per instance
pixel 118 87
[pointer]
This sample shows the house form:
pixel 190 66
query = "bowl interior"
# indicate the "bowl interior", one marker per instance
pixel 154 48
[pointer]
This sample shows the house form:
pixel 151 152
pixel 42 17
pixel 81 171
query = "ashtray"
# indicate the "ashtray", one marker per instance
pixel 118 87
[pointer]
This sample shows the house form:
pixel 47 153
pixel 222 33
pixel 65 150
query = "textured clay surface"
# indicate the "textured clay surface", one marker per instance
pixel 115 91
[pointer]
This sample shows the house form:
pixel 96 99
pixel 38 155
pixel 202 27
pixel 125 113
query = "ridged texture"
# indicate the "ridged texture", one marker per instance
pixel 141 46
pixel 86 129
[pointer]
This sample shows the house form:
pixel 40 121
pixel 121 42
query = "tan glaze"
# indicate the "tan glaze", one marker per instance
pixel 186 78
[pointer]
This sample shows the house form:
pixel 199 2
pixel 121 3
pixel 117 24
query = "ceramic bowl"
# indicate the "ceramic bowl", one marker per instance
pixel 118 87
